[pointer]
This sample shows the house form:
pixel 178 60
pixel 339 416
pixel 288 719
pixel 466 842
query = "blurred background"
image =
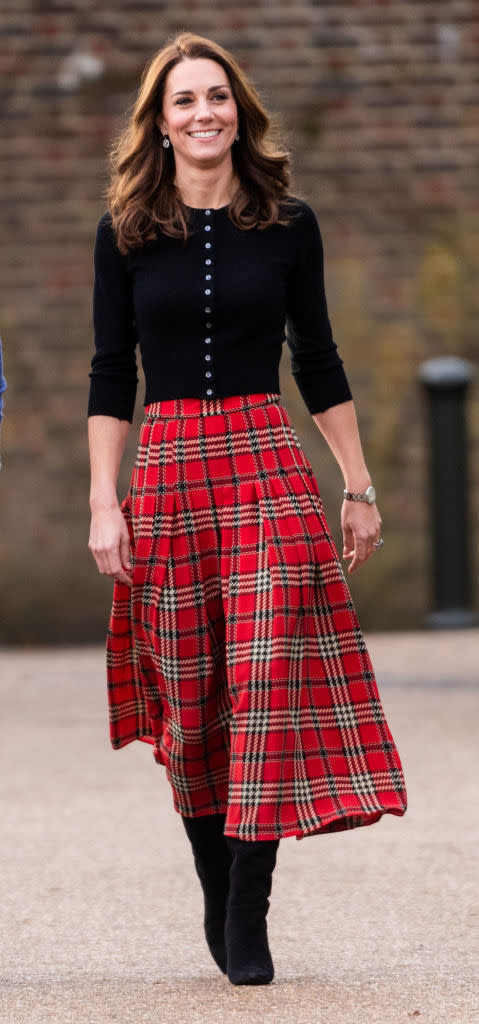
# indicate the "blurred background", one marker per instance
pixel 378 103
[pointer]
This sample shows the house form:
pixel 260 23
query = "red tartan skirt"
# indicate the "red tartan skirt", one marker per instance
pixel 237 652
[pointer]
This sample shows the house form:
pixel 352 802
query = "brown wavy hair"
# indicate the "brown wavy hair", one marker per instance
pixel 142 197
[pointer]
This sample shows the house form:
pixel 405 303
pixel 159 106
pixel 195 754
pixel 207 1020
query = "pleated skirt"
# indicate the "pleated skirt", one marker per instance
pixel 237 652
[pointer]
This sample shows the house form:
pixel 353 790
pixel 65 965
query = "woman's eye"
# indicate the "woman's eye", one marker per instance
pixel 186 99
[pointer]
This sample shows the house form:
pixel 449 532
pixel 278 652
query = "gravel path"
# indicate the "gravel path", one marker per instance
pixel 101 907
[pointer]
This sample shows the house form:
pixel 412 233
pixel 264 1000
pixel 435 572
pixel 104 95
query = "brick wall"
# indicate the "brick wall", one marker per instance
pixel 379 103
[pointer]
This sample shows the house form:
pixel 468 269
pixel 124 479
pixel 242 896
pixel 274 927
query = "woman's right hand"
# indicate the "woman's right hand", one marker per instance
pixel 109 543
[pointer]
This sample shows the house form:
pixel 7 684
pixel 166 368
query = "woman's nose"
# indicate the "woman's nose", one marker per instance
pixel 203 109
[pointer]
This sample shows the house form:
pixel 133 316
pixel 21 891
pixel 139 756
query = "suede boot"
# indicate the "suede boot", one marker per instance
pixel 248 955
pixel 212 859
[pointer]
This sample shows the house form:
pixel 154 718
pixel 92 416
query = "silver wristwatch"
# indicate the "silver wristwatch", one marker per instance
pixel 369 495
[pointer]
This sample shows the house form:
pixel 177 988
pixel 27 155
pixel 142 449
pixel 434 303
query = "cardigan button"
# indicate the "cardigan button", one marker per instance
pixel 209 391
pixel 207 309
pixel 208 373
pixel 207 227
pixel 207 291
pixel 208 263
pixel 207 340
pixel 207 212
pixel 207 356
pixel 207 245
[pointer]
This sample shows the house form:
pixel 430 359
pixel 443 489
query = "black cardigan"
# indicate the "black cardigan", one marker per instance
pixel 210 314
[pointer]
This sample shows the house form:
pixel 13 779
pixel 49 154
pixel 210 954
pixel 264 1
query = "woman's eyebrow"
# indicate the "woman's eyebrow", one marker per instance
pixel 209 90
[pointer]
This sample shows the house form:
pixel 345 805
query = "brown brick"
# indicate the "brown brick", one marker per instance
pixel 379 104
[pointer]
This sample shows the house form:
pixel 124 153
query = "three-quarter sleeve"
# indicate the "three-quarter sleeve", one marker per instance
pixel 113 375
pixel 315 362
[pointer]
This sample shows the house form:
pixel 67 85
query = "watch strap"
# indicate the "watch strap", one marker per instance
pixel 354 496
pixel 364 496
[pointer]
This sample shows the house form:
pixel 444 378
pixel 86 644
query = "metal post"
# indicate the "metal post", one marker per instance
pixel 446 380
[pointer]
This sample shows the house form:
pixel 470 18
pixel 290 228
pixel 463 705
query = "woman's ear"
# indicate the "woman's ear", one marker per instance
pixel 160 124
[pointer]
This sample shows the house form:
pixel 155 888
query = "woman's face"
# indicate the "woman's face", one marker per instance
pixel 200 114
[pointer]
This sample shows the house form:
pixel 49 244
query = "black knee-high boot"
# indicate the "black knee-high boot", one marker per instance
pixel 212 861
pixel 248 955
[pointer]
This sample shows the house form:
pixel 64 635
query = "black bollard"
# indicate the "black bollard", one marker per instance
pixel 446 380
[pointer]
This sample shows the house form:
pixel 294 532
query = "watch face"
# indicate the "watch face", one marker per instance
pixel 371 494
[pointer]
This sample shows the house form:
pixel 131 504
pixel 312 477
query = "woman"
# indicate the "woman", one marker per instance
pixel 233 645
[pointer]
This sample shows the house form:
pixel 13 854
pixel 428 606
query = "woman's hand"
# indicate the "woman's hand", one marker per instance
pixel 109 543
pixel 361 525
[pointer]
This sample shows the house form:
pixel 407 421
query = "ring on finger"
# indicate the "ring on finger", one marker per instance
pixel 378 543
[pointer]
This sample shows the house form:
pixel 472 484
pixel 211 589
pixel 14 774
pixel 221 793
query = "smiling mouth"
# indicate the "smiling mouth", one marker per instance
pixel 209 133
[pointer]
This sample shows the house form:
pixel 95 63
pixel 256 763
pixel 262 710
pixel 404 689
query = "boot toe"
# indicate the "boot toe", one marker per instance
pixel 253 975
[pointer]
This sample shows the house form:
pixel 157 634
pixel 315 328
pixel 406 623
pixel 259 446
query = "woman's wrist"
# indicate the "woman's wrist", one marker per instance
pixel 101 502
pixel 357 482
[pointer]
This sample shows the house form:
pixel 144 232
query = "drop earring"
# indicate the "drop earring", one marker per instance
pixel 166 141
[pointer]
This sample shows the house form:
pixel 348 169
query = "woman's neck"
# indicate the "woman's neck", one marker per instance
pixel 203 189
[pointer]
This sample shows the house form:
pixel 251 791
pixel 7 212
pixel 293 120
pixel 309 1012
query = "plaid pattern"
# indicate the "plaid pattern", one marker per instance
pixel 237 651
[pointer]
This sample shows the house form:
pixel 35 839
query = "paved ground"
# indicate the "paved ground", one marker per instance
pixel 102 908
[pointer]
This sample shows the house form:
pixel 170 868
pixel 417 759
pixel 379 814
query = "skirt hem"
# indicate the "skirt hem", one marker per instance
pixel 331 823
pixel 337 821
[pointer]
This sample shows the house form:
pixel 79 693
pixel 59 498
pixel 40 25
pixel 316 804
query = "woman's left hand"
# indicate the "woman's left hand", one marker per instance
pixel 361 525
